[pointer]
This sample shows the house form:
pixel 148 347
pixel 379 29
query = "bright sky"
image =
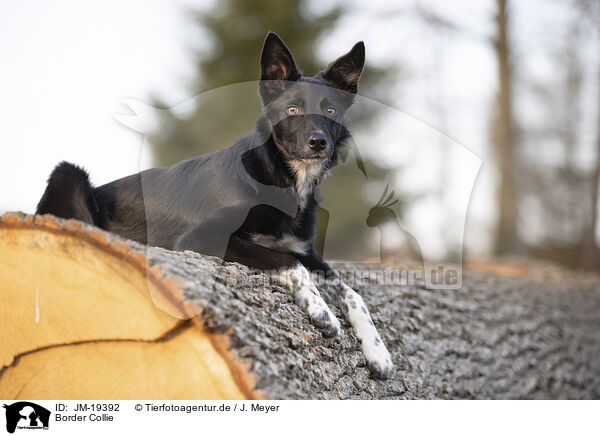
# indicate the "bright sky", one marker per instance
pixel 65 67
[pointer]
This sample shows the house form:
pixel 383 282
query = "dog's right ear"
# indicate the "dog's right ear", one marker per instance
pixel 344 72
pixel 276 65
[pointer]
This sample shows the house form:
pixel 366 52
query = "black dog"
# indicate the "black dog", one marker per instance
pixel 252 203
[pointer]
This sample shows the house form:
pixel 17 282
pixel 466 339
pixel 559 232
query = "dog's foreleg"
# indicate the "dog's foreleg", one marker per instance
pixel 287 270
pixel 355 310
pixel 306 295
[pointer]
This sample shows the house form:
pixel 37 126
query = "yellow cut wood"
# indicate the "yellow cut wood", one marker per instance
pixel 184 367
pixel 57 289
pixel 77 322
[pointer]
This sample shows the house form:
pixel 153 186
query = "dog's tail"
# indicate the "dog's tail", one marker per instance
pixel 70 194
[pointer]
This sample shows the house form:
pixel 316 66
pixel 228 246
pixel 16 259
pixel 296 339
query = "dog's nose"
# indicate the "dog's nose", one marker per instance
pixel 317 141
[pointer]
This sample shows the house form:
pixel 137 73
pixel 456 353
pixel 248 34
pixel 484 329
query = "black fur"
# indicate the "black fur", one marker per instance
pixel 79 203
pixel 215 203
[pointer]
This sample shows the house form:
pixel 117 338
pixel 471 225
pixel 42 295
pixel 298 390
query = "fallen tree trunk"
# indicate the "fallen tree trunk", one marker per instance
pixel 225 331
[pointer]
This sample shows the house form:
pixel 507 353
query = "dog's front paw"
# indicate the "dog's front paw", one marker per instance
pixel 326 321
pixel 320 315
pixel 379 360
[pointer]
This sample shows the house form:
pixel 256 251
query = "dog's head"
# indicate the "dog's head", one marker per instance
pixel 305 114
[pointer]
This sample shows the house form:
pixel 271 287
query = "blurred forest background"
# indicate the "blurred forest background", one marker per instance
pixel 543 122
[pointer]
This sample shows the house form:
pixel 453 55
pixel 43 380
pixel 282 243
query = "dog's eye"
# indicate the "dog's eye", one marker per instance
pixel 292 110
pixel 331 111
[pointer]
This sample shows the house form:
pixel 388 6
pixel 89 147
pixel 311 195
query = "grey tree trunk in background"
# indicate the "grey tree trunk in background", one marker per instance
pixel 591 253
pixel 503 138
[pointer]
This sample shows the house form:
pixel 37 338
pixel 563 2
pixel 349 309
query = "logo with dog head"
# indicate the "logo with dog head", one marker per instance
pixel 26 415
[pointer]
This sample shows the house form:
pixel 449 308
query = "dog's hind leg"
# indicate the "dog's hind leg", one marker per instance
pixel 355 310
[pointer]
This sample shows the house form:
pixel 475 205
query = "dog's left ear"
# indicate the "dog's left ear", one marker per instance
pixel 344 72
pixel 276 66
pixel 276 61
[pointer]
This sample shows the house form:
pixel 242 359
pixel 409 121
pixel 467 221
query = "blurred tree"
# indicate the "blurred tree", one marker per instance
pixel 236 30
pixel 591 251
pixel 503 138
pixel 556 186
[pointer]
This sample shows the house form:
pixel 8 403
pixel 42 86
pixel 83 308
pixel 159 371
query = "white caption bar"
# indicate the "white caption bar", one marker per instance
pixel 298 417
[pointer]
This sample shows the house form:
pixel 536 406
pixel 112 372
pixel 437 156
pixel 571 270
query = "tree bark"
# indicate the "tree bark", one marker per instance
pixel 497 337
pixel 533 335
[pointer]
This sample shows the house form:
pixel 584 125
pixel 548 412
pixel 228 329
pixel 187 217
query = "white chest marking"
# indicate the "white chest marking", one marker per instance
pixel 286 244
pixel 308 174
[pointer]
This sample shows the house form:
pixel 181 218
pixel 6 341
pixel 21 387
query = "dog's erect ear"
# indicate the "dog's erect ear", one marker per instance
pixel 276 61
pixel 344 72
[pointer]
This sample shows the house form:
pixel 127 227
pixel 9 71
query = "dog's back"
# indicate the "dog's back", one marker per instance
pixel 155 206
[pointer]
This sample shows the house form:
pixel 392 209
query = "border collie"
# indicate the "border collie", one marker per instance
pixel 252 203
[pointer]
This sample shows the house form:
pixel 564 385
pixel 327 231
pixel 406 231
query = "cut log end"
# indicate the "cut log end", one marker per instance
pixel 78 322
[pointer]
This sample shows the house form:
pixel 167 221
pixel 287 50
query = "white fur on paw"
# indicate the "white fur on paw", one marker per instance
pixel 378 358
pixel 320 314
pixel 307 296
